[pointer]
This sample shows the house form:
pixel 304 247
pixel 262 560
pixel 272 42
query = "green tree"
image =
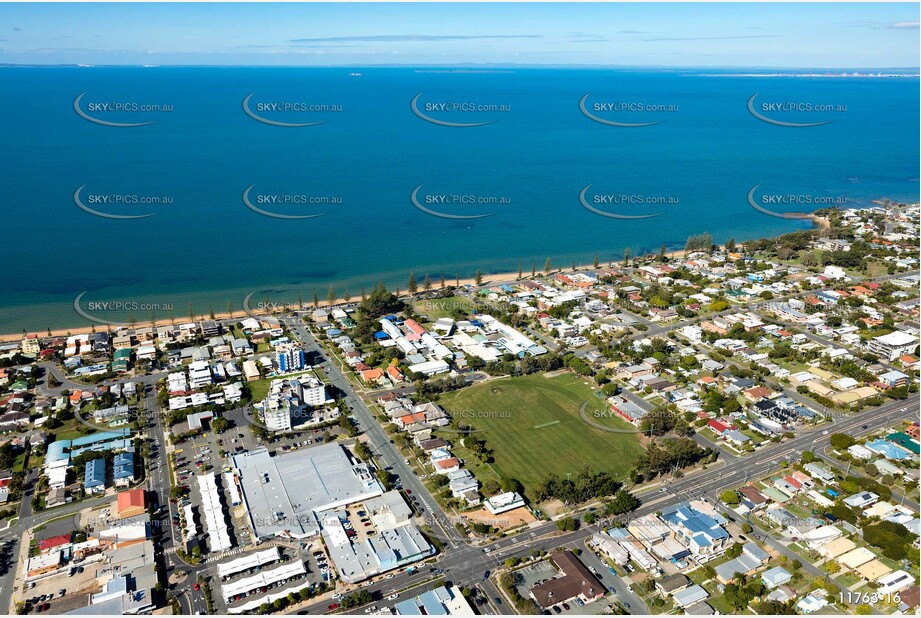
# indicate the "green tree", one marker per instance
pixel 622 502
pixel 412 287
pixel 841 441
pixel 567 524
pixel 219 424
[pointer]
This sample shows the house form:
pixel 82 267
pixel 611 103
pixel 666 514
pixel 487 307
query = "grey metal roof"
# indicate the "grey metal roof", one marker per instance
pixel 282 493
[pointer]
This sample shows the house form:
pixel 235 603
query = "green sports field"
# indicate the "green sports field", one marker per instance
pixel 436 308
pixel 533 426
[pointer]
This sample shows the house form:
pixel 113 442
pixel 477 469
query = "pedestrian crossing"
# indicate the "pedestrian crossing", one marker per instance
pixel 212 558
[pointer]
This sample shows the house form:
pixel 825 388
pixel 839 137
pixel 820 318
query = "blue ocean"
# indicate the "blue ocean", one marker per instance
pixel 430 171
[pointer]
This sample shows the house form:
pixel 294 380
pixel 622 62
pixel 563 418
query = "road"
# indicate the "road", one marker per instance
pixel 387 454
pixel 466 565
pixel 461 563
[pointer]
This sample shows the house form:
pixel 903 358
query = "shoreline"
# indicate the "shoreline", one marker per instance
pixel 488 279
pixel 493 278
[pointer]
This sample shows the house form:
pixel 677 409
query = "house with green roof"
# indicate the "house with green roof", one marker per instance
pixel 121 359
pixel 904 440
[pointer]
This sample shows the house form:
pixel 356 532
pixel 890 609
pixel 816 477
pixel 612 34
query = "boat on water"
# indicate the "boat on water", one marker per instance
pixel 355 74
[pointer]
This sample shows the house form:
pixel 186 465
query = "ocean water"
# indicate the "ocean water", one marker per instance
pixel 204 246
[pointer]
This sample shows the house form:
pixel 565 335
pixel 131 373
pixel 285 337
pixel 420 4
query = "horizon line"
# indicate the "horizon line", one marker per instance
pixel 469 65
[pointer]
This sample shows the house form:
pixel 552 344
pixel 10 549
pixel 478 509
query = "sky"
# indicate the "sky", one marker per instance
pixel 791 35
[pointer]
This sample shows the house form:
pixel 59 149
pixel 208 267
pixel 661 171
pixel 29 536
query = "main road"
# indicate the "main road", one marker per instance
pixel 387 454
pixel 467 565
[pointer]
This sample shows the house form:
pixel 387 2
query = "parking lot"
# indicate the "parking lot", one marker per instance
pixel 313 558
pixel 357 524
pixel 61 592
pixel 201 455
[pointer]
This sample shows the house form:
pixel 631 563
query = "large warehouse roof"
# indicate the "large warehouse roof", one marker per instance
pixel 282 493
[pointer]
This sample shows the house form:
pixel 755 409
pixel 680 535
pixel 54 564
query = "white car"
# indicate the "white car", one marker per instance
pixel 337 596
pixel 393 597
pixel 592 570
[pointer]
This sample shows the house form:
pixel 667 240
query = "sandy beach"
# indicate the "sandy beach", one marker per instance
pixel 488 279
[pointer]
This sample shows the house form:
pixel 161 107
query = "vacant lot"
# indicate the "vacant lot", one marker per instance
pixel 533 426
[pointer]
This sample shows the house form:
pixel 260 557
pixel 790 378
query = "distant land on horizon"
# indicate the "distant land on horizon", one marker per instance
pixel 447 66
